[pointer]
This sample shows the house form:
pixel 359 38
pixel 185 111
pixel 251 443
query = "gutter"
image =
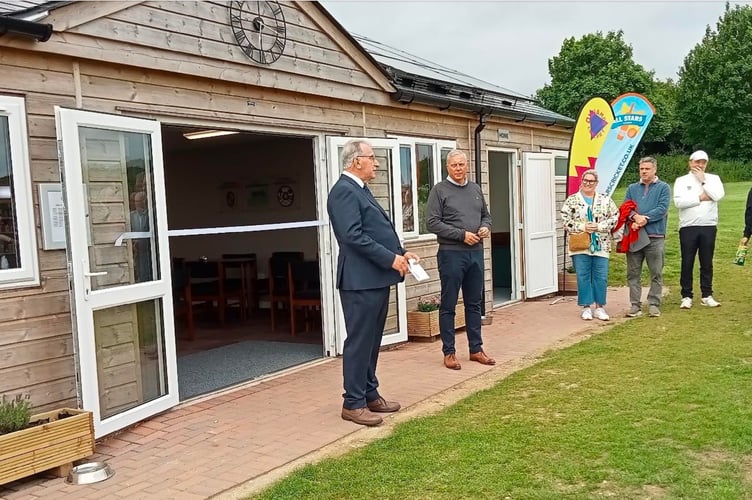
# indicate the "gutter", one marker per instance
pixel 40 32
pixel 411 96
pixel 481 125
pixel 478 130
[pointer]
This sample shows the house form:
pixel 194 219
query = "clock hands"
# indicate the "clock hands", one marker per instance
pixel 261 19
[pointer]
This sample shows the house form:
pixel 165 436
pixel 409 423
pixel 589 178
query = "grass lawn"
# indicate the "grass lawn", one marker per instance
pixel 651 408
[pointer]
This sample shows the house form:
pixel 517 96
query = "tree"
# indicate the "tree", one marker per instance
pixel 597 65
pixel 714 96
pixel 663 135
pixel 600 65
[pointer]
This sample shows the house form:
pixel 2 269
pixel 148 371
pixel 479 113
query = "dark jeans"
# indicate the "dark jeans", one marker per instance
pixel 696 240
pixel 460 270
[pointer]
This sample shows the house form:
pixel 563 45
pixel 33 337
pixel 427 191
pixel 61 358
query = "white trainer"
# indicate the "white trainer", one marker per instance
pixel 601 314
pixel 587 314
pixel 686 303
pixel 709 301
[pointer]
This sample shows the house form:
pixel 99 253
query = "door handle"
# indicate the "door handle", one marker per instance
pixel 100 273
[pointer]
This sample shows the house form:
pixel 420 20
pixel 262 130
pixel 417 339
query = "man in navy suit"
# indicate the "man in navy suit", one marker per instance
pixel 371 260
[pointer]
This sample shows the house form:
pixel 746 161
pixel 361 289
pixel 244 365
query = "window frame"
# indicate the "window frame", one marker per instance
pixel 558 153
pixel 438 169
pixel 14 109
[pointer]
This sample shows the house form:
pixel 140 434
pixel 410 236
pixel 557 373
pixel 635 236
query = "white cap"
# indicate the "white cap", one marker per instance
pixel 698 155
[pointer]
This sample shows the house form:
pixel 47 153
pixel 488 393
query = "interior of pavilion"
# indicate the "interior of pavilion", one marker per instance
pixel 248 303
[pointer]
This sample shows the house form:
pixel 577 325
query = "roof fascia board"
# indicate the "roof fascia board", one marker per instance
pixel 347 43
pixel 77 13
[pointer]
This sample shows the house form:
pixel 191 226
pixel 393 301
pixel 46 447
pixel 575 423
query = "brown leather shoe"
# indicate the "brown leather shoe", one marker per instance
pixel 381 405
pixel 482 358
pixel 450 361
pixel 362 416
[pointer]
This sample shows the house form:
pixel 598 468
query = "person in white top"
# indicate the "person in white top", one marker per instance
pixel 696 196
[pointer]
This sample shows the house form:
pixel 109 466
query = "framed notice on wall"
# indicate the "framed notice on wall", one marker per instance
pixel 52 213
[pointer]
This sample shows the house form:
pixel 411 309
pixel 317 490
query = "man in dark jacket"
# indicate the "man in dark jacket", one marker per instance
pixel 457 213
pixel 371 260
pixel 748 218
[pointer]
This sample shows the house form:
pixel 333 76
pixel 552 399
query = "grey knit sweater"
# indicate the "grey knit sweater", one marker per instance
pixel 451 210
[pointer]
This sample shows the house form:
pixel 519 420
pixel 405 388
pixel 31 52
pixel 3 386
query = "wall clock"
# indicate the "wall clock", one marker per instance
pixel 259 29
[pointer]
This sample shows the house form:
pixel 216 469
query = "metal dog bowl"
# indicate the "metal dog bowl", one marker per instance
pixel 88 473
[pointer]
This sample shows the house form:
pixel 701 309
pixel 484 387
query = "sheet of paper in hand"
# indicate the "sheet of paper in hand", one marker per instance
pixel 417 270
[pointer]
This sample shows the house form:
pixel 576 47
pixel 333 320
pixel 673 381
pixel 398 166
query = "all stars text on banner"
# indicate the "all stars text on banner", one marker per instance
pixel 632 114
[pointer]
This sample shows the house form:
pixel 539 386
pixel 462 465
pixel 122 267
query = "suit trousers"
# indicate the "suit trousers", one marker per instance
pixel 365 315
pixel 460 270
pixel 697 240
pixel 654 254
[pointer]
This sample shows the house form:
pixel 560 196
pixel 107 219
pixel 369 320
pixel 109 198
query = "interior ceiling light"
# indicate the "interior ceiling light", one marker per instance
pixel 204 134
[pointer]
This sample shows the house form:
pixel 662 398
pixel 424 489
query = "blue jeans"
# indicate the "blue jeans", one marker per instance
pixel 592 279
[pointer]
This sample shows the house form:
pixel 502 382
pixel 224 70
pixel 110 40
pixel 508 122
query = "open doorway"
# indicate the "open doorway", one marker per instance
pixel 501 205
pixel 243 181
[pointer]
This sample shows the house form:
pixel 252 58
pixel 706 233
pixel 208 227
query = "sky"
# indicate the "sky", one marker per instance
pixel 509 43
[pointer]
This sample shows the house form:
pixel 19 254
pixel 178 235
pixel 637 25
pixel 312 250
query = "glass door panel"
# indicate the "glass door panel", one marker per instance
pixel 130 356
pixel 115 167
pixel 113 182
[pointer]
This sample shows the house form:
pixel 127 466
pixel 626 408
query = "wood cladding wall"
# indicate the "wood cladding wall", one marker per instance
pixel 320 85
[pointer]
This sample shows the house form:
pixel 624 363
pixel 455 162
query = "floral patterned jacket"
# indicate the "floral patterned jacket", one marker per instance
pixel 605 214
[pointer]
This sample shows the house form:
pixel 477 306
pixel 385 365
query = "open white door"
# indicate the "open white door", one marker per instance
pixel 539 223
pixel 113 182
pixel 386 188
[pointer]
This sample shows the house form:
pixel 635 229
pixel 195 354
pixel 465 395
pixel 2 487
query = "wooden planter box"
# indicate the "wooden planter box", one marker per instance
pixel 569 280
pixel 60 437
pixel 426 324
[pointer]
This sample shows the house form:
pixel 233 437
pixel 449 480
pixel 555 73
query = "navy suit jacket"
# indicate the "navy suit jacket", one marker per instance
pixel 366 236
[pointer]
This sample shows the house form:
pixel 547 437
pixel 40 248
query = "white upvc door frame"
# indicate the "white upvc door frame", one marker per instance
pixel 335 170
pixel 85 300
pixel 539 224
pixel 516 235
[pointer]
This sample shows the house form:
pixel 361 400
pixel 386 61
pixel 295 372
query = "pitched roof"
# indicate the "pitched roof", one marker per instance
pixel 421 80
pixel 416 79
pixel 19 8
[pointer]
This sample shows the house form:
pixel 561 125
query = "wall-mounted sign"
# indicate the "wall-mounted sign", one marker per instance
pixel 285 195
pixel 52 210
pixel 503 134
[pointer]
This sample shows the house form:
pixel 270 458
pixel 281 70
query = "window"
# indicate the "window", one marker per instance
pixel 18 258
pixel 561 164
pixel 422 164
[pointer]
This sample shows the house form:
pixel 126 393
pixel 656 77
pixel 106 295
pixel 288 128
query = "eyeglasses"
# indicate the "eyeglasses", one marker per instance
pixel 457 165
pixel 589 181
pixel 370 157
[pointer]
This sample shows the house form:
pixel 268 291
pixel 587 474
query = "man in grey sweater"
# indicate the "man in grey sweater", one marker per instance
pixel 457 213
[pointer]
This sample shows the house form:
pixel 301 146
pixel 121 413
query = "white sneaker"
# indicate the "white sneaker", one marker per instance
pixel 601 314
pixel 710 301
pixel 686 303
pixel 587 314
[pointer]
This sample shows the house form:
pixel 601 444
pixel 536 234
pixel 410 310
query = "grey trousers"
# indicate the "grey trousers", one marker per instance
pixel 654 254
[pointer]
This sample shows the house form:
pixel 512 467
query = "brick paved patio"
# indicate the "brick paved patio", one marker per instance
pixel 228 445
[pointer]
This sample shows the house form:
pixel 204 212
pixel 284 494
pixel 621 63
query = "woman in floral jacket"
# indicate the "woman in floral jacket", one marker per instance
pixel 595 214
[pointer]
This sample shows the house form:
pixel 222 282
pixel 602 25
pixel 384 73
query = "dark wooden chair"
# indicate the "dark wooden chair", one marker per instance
pixel 203 285
pixel 179 307
pixel 278 284
pixel 305 291
pixel 241 277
